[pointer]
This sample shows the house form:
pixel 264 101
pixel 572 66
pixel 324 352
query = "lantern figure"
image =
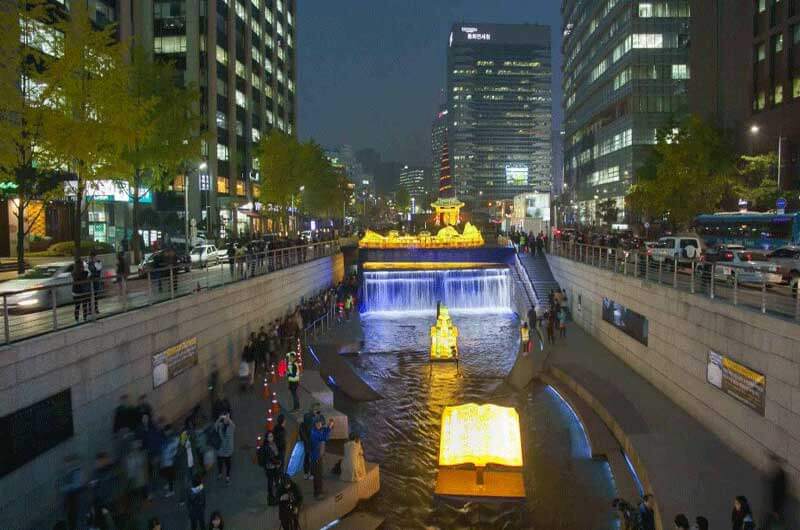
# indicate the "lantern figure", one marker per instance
pixel 481 435
pixel 444 336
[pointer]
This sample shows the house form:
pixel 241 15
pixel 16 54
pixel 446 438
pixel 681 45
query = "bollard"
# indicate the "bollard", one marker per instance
pixel 5 319
pixel 691 286
pixel 763 294
pixel 660 268
pixel 796 298
pixel 171 283
pixel 276 408
pixel 636 265
pixel 149 288
pixel 675 273
pixel 92 300
pixel 55 313
pixel 713 274
pixel 735 288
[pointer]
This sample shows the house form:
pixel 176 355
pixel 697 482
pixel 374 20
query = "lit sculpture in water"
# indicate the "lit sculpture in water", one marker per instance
pixel 480 435
pixel 447 237
pixel 444 336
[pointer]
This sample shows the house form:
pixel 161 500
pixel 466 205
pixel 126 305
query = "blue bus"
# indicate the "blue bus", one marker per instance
pixel 763 230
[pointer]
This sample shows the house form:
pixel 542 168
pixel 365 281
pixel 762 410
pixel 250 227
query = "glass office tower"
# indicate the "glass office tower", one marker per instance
pixel 625 71
pixel 499 109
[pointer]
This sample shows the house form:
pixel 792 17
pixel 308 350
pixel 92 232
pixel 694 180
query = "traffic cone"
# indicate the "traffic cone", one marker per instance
pixel 276 407
pixel 267 394
pixel 274 375
pixel 270 425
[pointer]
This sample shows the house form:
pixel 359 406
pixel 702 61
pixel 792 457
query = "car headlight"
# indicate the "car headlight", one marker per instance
pixel 27 302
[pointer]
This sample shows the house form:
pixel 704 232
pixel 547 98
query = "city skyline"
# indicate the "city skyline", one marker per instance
pixel 410 43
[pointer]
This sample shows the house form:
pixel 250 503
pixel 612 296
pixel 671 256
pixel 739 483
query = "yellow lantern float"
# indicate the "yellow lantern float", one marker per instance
pixel 444 337
pixel 447 237
pixel 480 436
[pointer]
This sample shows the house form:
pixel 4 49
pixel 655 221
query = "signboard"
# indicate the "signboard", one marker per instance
pixel 31 431
pixel 738 381
pixel 174 361
pixel 780 204
pixel 629 322
pixel 108 191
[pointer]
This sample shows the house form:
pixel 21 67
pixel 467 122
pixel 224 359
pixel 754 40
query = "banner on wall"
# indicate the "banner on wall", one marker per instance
pixel 629 322
pixel 174 361
pixel 737 380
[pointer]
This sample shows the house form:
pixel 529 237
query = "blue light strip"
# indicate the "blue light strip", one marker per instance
pixel 330 525
pixel 314 355
pixel 575 417
pixel 635 476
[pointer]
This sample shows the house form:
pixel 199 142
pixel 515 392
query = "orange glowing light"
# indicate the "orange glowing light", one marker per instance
pixel 444 337
pixel 480 435
pixel 447 237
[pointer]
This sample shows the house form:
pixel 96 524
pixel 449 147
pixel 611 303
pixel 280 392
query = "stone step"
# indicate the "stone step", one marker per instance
pixel 360 521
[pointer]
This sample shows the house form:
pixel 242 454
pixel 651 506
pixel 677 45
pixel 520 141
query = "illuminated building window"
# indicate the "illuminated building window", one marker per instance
pixel 222 87
pixel 169 44
pixel 778 94
pixel 255 134
pixel 222 55
pixel 647 40
pixel 256 3
pixel 256 28
pixel 222 152
pixel 645 10
pixel 255 81
pixel 760 52
pixel 241 101
pixel 38 35
pixel 256 55
pixel 223 185
pixel 280 6
pixel 240 70
pixel 222 119
pixel 796 87
pixel 268 16
pixel 241 11
pixel 680 71
pixel 239 188
pixel 777 43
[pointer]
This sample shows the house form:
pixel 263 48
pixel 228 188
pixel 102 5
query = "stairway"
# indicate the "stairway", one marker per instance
pixel 541 277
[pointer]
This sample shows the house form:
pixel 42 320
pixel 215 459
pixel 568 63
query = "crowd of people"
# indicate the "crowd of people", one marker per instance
pixel 528 243
pixel 153 457
pixel 553 319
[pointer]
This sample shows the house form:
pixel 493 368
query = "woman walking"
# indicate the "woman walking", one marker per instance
pixel 225 428
pixel 272 466
pixel 562 322
pixel 742 516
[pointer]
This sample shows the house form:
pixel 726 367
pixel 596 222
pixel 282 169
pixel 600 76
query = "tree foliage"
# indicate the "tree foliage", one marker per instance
pixel 403 199
pixel 88 117
pixel 691 170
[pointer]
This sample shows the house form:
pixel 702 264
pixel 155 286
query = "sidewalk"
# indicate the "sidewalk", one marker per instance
pixel 689 469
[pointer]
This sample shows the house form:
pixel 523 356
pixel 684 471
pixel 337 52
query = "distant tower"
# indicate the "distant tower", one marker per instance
pixel 447 207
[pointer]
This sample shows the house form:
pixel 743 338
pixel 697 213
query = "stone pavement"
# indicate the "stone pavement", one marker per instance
pixel 689 469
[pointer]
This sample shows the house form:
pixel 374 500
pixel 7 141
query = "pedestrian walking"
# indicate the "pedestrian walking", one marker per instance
pixel 293 377
pixel 216 522
pixel 197 504
pixel 225 429
pixel 272 467
pixel 562 322
pixel 279 432
pixel 681 522
pixel 319 436
pixel 121 278
pixel 71 485
pixel 742 515
pixel 551 325
pixel 169 453
pixel 701 522
pixel 348 305
pixel 777 489
pixel 290 498
pixel 249 356
pixel 647 513
pixel 525 338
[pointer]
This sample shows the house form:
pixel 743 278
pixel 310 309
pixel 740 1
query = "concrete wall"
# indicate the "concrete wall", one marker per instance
pixel 682 329
pixel 113 356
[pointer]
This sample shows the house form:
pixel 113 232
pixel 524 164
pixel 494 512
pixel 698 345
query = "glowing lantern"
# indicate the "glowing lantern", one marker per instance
pixel 480 435
pixel 447 237
pixel 444 335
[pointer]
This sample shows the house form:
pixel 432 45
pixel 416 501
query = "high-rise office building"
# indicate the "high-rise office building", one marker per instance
pixel 438 136
pixel 625 76
pixel 241 55
pixel 414 181
pixel 499 109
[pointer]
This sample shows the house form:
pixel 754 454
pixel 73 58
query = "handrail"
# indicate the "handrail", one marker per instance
pixel 739 284
pixel 46 308
pixel 532 299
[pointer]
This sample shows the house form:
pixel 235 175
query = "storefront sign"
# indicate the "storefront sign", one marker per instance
pixel 737 380
pixel 629 322
pixel 173 361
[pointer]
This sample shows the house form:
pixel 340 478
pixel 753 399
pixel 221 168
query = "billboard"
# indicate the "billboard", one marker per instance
pixel 737 380
pixel 173 361
pixel 629 322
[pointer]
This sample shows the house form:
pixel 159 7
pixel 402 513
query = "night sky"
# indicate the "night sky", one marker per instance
pixel 371 72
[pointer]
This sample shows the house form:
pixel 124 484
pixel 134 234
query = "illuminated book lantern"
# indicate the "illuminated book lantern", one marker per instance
pixel 447 237
pixel 444 337
pixel 480 435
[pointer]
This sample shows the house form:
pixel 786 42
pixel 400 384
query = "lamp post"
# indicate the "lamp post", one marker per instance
pixel 754 129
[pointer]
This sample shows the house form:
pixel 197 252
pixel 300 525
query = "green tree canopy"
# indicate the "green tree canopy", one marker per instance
pixel 402 199
pixel 691 170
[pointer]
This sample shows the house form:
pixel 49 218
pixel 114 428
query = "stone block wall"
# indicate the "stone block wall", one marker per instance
pixel 683 327
pixel 101 361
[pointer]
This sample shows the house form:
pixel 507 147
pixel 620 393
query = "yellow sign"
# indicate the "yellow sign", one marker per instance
pixel 447 237
pixel 480 435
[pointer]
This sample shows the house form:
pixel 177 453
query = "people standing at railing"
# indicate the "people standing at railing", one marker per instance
pixel 80 289
pixel 96 274
pixel 293 377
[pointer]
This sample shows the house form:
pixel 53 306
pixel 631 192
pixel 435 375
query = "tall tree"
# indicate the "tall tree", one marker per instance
pixel 402 199
pixel 24 43
pixel 279 163
pixel 167 138
pixel 692 170
pixel 757 183
pixel 88 117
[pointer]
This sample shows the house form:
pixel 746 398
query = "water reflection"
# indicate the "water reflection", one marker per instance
pixel 565 488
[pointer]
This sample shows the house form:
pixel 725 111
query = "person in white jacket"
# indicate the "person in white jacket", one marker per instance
pixel 354 467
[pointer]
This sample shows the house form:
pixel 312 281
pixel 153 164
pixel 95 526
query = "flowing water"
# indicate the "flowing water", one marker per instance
pixel 565 488
pixel 476 290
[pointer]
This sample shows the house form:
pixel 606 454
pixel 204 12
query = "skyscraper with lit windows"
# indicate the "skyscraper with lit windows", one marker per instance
pixel 499 109
pixel 625 66
pixel 241 55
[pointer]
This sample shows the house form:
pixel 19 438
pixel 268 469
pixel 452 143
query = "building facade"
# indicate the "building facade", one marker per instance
pixel 438 137
pixel 625 72
pixel 414 180
pixel 499 109
pixel 745 60
pixel 241 55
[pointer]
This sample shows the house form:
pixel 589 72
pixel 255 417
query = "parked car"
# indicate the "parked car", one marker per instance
pixel 743 266
pixel 674 248
pixel 38 284
pixel 788 261
pixel 148 262
pixel 204 256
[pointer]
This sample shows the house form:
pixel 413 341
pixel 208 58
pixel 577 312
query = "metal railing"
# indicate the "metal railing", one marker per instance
pixel 62 302
pixel 738 284
pixel 322 324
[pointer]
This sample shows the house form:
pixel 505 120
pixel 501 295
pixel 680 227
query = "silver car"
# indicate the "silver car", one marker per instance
pixel 33 290
pixel 747 266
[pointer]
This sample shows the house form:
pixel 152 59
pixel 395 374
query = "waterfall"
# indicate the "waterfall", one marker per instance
pixel 480 290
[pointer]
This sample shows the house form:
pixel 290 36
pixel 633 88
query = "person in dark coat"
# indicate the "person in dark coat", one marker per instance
pixel 279 432
pixel 647 513
pixel 742 515
pixel 196 503
pixel 290 499
pixel 272 467
pixel 80 289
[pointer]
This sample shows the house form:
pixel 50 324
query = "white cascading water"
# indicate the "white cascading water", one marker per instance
pixel 480 290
